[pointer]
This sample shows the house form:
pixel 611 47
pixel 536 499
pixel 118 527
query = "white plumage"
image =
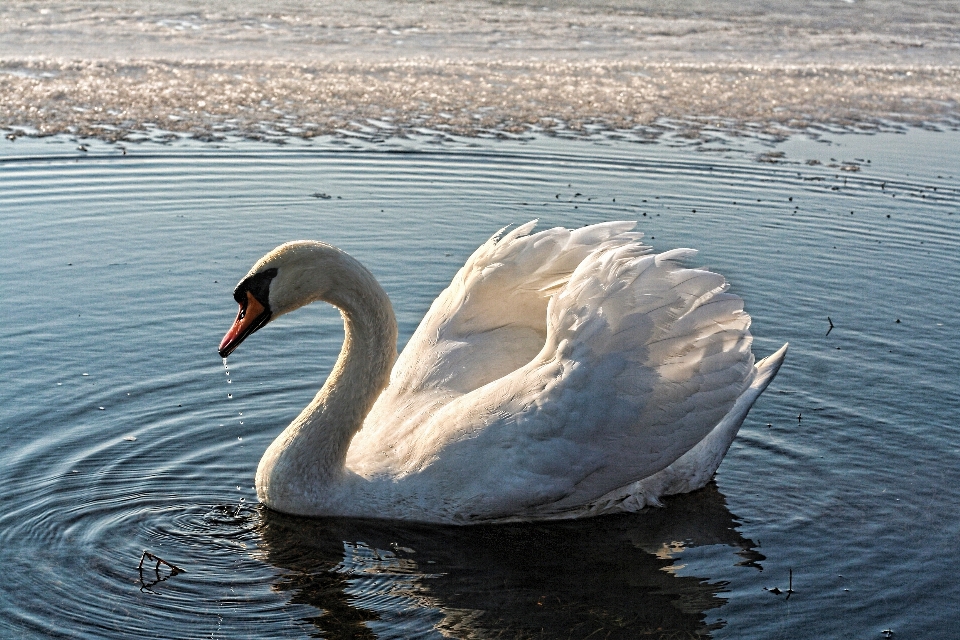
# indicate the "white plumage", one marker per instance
pixel 561 374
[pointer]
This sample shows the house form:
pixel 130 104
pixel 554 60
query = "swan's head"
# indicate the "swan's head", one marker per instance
pixel 289 277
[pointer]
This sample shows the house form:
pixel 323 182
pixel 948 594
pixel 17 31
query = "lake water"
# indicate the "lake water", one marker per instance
pixel 154 151
pixel 122 432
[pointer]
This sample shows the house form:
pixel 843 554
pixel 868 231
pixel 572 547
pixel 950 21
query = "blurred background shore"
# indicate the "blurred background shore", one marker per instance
pixel 122 70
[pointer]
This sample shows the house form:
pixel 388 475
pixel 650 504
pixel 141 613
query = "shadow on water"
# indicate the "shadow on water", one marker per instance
pixel 611 577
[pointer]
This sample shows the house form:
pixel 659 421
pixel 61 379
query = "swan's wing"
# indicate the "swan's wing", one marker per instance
pixel 491 320
pixel 642 359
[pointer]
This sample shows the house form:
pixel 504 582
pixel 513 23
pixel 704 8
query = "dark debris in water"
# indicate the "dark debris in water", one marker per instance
pixel 777 591
pixel 159 576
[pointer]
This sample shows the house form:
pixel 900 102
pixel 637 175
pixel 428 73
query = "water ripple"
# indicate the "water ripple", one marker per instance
pixel 121 436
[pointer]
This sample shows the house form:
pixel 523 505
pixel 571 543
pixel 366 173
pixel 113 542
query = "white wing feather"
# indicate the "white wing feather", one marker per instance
pixel 489 322
pixel 557 368
pixel 493 314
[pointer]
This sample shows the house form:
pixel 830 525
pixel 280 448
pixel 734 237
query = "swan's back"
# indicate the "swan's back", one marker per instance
pixel 556 368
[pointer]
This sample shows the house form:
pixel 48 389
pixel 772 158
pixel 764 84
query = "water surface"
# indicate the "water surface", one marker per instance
pixel 122 431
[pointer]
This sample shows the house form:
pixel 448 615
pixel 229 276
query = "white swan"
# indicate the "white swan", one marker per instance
pixel 561 374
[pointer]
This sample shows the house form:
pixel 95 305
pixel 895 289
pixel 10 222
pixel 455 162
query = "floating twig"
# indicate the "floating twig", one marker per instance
pixel 777 591
pixel 149 556
pixel 174 569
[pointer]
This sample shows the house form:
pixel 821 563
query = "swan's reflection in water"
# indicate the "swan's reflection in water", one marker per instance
pixel 602 578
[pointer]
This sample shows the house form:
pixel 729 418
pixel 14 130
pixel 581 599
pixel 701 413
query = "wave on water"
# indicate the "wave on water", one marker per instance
pixel 379 69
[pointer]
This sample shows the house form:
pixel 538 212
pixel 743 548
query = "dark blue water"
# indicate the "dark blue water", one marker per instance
pixel 121 431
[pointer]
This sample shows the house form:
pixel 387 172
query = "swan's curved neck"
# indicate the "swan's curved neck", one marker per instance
pixel 311 451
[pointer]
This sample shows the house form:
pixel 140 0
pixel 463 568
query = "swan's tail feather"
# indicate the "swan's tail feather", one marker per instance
pixel 767 369
pixel 695 468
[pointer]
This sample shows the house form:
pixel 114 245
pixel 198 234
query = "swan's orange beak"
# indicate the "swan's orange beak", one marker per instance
pixel 252 316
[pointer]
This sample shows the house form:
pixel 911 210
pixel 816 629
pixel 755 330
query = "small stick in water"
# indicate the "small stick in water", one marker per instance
pixel 174 569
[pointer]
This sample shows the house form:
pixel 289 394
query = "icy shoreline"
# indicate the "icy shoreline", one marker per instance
pixel 475 68
pixel 207 100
